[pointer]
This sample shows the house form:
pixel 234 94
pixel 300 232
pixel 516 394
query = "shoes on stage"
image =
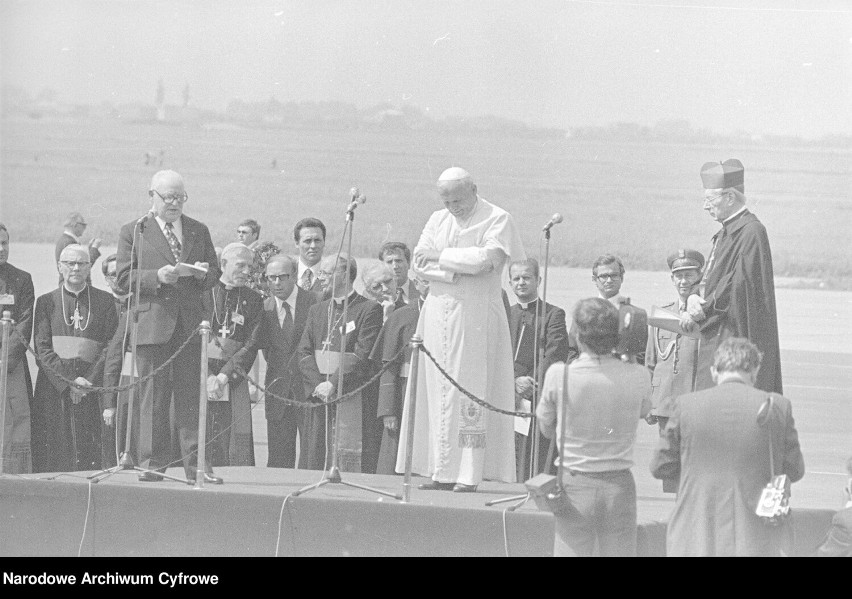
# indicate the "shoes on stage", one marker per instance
pixel 434 485
pixel 150 477
pixel 209 477
pixel 463 488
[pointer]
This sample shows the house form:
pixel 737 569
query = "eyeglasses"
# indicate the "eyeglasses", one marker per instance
pixel 244 231
pixel 613 277
pixel 171 198
pixel 713 198
pixel 276 278
pixel 73 264
pixel 378 286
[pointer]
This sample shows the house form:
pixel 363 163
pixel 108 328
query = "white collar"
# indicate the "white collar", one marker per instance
pixel 177 227
pixel 303 267
pixel 734 215
pixel 70 234
pixel 526 305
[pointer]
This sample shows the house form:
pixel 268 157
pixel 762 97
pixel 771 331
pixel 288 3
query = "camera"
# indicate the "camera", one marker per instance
pixel 773 507
pixel 632 330
pixel 546 493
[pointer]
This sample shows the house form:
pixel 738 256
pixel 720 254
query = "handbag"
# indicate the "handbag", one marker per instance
pixel 773 507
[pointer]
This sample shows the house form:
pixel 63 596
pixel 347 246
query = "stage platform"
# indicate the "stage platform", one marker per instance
pixel 65 515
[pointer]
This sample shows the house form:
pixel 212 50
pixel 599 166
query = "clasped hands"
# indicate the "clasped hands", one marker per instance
pixel 216 386
pixel 324 391
pixel 524 389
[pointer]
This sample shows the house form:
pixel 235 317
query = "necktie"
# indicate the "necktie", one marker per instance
pixel 286 320
pixel 400 300
pixel 307 279
pixel 174 244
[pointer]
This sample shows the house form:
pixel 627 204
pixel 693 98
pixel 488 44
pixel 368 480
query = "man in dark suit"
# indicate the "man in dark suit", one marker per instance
pixel 309 235
pixel 396 334
pixel 718 441
pixel 75 225
pixel 397 255
pixel 322 364
pixel 524 326
pixel 170 309
pixel 608 276
pixel 17 295
pixel 285 313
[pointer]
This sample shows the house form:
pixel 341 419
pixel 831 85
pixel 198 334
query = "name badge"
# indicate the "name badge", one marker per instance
pixel 238 318
pixel 7 299
pixel 350 326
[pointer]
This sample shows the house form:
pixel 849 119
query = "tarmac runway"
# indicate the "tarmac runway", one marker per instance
pixel 815 327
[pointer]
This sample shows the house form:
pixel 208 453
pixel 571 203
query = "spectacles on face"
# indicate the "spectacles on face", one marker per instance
pixel 381 285
pixel 711 199
pixel 244 232
pixel 172 198
pixel 608 277
pixel 276 278
pixel 74 264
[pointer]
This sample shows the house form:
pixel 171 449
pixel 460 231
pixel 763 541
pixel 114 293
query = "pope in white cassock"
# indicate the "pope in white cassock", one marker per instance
pixel 462 252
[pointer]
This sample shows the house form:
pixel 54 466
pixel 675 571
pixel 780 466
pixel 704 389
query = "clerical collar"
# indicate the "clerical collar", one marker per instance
pixel 734 215
pixel 227 286
pixel 339 301
pixel 525 305
pixel 120 298
pixel 75 293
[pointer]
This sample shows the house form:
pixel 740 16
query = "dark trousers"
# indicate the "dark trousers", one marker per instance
pixel 180 384
pixel 281 438
pixel 599 507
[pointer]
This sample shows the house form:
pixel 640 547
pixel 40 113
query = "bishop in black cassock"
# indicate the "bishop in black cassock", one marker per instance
pixel 320 347
pixel 234 311
pixel 72 327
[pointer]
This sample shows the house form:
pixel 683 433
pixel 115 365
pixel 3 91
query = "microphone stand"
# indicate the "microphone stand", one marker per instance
pixel 333 473
pixel 125 462
pixel 538 365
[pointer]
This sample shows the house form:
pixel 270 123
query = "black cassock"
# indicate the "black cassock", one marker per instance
pixel 66 435
pixel 740 294
pixel 235 315
pixel 363 323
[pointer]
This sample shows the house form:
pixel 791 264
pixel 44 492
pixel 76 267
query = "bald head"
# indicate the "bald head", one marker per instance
pixel 458 192
pixel 168 195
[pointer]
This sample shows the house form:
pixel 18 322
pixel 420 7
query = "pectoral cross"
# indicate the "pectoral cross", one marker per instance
pixel 76 319
pixel 224 331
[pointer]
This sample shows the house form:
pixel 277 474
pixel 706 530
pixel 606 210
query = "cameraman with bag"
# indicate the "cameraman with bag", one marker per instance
pixel 736 450
pixel 606 398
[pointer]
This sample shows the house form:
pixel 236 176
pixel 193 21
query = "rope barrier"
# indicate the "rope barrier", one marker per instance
pixel 106 389
pixel 470 395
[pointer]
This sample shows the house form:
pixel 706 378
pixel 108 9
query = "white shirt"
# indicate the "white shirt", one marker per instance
pixel 291 301
pixel 404 289
pixel 303 267
pixel 177 228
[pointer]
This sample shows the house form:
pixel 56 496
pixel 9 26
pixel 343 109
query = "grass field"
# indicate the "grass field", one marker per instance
pixel 640 201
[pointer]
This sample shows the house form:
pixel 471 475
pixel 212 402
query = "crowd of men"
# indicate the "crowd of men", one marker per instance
pixel 167 277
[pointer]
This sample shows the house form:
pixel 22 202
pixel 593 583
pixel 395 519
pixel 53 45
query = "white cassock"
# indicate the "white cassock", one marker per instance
pixel 463 324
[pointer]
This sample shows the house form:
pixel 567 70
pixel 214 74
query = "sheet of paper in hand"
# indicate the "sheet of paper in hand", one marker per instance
pixel 668 321
pixel 182 269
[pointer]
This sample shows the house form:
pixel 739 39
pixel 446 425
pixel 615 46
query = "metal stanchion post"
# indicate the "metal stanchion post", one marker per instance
pixel 4 374
pixel 201 464
pixel 416 342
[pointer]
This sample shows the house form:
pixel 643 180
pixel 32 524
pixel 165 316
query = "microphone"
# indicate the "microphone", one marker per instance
pixel 148 215
pixel 357 198
pixel 554 220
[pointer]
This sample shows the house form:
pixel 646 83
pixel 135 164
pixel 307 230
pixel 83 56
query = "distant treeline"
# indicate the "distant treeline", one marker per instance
pixel 385 116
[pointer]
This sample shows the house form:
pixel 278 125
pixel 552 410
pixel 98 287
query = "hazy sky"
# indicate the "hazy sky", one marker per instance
pixel 765 66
